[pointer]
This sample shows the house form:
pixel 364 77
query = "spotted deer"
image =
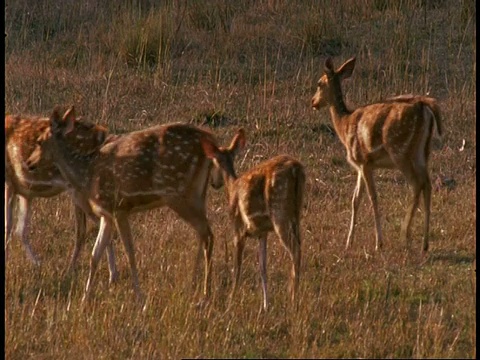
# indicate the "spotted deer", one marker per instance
pixel 266 198
pixel 151 168
pixel 23 185
pixel 392 134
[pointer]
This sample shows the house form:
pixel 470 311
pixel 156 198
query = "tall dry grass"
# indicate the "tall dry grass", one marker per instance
pixel 134 64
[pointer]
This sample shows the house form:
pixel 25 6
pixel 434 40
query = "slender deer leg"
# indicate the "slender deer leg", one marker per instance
pixel 239 243
pixel 23 226
pixel 196 267
pixel 9 200
pixel 80 234
pixel 262 262
pixel 225 243
pixel 196 217
pixel 370 184
pixel 357 196
pixel 123 227
pixel 296 259
pixel 427 194
pixel 289 235
pixel 407 221
pixel 82 211
pixel 112 268
pixel 418 178
pixel 104 237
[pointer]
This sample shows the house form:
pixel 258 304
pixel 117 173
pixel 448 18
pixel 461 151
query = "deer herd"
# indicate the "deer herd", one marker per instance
pixel 110 177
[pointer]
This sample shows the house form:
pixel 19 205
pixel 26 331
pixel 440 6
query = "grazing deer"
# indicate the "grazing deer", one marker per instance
pixel 22 185
pixel 155 167
pixel 395 133
pixel 264 199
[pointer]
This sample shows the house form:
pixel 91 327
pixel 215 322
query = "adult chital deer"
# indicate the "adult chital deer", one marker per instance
pixel 266 198
pixel 395 133
pixel 22 185
pixel 155 167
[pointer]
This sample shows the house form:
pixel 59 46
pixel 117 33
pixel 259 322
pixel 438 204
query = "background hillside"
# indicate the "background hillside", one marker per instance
pixel 253 64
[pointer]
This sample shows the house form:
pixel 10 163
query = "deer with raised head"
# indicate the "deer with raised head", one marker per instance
pixel 155 167
pixel 392 134
pixel 266 198
pixel 23 185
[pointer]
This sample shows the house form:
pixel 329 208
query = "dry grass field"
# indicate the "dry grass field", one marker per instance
pixel 252 64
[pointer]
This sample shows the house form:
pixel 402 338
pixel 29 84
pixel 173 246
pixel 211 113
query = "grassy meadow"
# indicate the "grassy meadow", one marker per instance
pixel 226 64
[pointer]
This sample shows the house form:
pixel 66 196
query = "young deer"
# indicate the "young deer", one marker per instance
pixel 264 199
pixel 22 185
pixel 155 167
pixel 395 133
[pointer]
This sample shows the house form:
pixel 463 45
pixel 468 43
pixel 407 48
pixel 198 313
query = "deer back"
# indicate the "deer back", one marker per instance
pixel 272 189
pixel 382 132
pixel 136 171
pixel 152 167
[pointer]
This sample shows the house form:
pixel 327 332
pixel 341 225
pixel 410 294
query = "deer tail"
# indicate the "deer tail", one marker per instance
pixel 434 109
pixel 299 177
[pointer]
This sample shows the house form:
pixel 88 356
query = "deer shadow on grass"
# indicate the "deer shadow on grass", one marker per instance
pixel 451 256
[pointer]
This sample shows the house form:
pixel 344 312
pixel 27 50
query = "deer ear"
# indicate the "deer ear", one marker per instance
pixel 69 120
pixel 346 70
pixel 209 148
pixel 101 136
pixel 328 67
pixel 238 142
pixel 55 118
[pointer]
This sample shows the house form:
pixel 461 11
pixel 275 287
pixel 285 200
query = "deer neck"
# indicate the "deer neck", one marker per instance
pixel 339 112
pixel 75 167
pixel 230 189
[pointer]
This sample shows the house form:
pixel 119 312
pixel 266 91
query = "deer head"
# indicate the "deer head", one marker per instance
pixel 223 158
pixel 328 87
pixel 87 137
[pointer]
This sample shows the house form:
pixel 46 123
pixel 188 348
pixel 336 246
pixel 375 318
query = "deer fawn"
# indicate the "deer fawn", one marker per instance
pixel 264 199
pixel 22 185
pixel 155 167
pixel 395 133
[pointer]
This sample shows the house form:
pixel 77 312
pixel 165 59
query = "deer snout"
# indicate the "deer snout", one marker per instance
pixel 318 101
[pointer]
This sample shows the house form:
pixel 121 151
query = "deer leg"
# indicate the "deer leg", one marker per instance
pixel 296 259
pixel 225 243
pixel 421 183
pixel 418 178
pixel 427 194
pixel 239 244
pixel 290 238
pixel 82 211
pixel 112 268
pixel 80 234
pixel 9 200
pixel 104 237
pixel 367 175
pixel 23 227
pixel 197 218
pixel 196 266
pixel 427 189
pixel 123 228
pixel 407 221
pixel 357 196
pixel 262 262
pixel 207 241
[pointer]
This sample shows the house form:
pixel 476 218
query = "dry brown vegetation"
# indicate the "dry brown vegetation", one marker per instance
pixel 132 64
